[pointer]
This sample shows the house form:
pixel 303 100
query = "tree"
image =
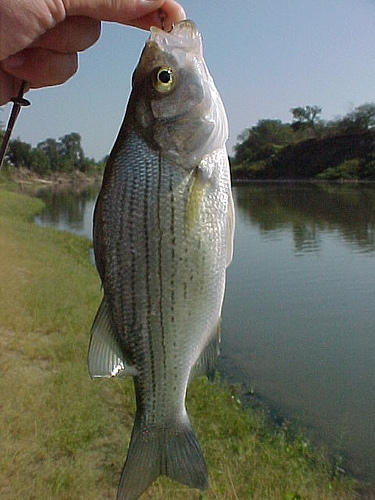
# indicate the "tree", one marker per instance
pixel 19 153
pixel 52 150
pixel 72 151
pixel 359 120
pixel 262 141
pixel 65 155
pixel 39 161
pixel 306 117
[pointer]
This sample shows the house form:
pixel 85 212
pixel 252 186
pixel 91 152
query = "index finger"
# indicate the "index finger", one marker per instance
pixel 139 13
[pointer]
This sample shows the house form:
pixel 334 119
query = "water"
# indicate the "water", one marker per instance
pixel 68 209
pixel 299 312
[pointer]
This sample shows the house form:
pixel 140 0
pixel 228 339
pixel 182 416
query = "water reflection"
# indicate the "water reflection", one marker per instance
pixel 310 209
pixel 68 210
pixel 299 315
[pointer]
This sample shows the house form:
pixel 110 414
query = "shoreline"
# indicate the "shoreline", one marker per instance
pixel 24 178
pixel 301 181
pixel 63 180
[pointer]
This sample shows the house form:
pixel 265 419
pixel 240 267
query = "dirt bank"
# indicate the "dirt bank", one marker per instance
pixel 26 178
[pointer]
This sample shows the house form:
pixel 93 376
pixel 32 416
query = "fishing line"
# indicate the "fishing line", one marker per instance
pixel 162 17
pixel 18 102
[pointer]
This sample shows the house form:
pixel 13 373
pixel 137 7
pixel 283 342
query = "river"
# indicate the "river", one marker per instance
pixel 299 312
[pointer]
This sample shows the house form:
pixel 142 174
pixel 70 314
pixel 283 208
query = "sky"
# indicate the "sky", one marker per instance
pixel 266 57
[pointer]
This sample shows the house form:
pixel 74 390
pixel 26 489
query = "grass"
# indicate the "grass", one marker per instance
pixel 64 436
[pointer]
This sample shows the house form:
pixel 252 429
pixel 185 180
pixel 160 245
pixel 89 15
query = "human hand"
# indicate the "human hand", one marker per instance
pixel 39 39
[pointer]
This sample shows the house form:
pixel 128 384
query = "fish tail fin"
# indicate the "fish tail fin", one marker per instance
pixel 141 467
pixel 182 457
pixel 173 451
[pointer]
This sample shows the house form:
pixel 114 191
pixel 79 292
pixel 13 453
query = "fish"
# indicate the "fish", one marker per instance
pixel 163 238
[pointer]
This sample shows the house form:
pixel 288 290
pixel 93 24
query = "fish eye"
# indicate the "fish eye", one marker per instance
pixel 163 79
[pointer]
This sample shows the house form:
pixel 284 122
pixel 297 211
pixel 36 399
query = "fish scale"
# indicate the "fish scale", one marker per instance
pixel 163 232
pixel 154 244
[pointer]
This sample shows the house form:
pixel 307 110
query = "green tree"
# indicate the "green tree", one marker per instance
pixel 39 161
pixel 52 149
pixel 19 153
pixel 2 133
pixel 306 117
pixel 263 140
pixel 360 119
pixel 71 150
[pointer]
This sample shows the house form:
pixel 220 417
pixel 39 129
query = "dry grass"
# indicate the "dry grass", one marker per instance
pixel 64 436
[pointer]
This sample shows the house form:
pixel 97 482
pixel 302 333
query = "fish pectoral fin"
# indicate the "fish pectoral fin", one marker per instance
pixel 194 201
pixel 205 365
pixel 230 229
pixel 105 358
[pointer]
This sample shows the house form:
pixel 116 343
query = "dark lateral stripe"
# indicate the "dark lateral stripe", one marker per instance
pixel 162 329
pixel 148 287
pixel 132 246
pixel 122 237
pixel 119 200
pixel 173 243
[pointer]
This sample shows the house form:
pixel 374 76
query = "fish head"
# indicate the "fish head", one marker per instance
pixel 175 104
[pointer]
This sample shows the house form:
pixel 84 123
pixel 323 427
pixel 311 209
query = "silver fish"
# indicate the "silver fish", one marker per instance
pixel 163 236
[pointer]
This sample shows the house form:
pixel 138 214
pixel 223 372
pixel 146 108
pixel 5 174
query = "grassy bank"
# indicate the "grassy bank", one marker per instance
pixel 64 436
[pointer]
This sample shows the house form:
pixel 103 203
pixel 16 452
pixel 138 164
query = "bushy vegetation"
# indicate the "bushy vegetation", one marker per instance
pixel 63 155
pixel 64 436
pixel 349 169
pixel 307 147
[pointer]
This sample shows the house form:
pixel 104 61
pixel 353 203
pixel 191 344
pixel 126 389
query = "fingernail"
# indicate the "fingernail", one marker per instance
pixel 14 61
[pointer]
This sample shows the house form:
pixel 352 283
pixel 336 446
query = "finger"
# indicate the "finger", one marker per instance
pixel 22 22
pixel 134 12
pixel 41 67
pixel 74 34
pixel 9 87
pixel 172 12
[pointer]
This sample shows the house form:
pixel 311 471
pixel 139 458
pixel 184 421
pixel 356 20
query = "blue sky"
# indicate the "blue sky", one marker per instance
pixel 266 56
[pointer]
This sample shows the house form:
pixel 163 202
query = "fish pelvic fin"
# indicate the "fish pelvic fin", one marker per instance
pixel 173 451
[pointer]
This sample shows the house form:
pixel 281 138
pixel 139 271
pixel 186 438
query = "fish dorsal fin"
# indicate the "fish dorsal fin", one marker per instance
pixel 105 358
pixel 205 365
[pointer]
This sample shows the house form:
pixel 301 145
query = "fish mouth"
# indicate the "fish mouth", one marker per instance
pixel 183 35
pixel 185 28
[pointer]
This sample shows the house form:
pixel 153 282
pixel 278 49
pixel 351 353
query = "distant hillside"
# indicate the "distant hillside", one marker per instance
pixel 314 156
pixel 344 149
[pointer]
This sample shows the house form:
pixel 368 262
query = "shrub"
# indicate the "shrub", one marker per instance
pixel 349 169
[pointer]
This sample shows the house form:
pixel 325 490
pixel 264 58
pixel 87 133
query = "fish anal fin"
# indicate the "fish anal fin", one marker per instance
pixel 205 365
pixel 105 358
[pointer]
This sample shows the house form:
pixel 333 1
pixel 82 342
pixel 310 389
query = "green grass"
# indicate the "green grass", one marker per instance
pixel 64 436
